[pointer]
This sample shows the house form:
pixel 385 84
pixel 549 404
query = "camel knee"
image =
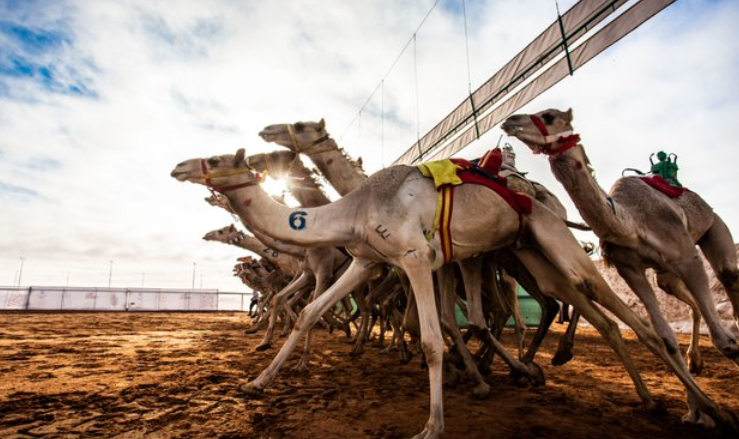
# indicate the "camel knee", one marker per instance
pixel 434 353
pixel 586 287
pixel 307 318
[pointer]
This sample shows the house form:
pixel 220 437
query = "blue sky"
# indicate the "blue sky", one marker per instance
pixel 100 99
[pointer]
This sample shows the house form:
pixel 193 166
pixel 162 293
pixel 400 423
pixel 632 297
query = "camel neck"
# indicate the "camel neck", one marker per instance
pixel 306 227
pixel 337 167
pixel 284 260
pixel 304 188
pixel 604 215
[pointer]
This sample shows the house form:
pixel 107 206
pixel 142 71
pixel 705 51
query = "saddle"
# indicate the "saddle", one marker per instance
pixel 484 171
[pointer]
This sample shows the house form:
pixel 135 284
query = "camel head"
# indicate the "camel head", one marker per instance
pixel 219 201
pixel 548 131
pixel 224 234
pixel 297 137
pixel 219 173
pixel 276 163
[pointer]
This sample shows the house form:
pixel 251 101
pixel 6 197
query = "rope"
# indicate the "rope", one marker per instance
pixel 392 66
pixel 469 76
pixel 382 124
pixel 418 104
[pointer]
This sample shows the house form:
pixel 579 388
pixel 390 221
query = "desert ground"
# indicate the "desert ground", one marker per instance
pixel 177 375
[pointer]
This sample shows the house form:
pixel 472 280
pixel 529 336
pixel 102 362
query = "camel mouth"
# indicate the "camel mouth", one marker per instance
pixel 179 175
pixel 511 128
pixel 267 135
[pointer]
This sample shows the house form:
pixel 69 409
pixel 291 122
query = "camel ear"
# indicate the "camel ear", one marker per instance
pixel 569 115
pixel 231 228
pixel 322 124
pixel 239 156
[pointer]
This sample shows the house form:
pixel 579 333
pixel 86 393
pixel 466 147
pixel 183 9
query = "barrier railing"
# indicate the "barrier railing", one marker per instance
pixel 120 299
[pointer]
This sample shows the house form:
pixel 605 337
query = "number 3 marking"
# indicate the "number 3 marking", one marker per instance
pixel 297 220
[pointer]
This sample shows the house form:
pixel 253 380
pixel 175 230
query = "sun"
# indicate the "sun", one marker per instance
pixel 277 187
pixel 274 186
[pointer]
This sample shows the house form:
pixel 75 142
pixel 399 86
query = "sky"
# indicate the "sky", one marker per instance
pixel 99 100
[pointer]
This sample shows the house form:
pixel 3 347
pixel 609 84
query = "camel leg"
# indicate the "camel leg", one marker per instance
pixel 323 281
pixel 445 276
pixel 421 279
pixel 549 306
pixel 277 304
pixel 718 247
pixel 670 283
pixel 580 271
pixel 567 341
pixel 358 272
pixel 695 278
pixel 471 270
pixel 509 290
pixel 554 282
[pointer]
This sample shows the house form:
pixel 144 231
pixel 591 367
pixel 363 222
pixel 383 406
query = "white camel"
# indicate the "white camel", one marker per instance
pixel 345 175
pixel 384 220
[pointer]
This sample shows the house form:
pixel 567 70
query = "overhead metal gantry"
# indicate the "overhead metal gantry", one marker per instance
pixel 580 34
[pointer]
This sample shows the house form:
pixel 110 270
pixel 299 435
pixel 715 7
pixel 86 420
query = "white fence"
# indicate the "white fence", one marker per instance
pixel 119 299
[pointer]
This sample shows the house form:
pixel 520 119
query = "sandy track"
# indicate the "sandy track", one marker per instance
pixel 176 375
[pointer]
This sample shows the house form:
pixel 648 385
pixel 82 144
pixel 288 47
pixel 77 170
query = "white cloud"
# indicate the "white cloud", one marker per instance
pixel 170 81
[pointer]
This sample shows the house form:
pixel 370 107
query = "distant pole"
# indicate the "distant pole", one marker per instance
pixel 20 273
pixel 110 274
pixel 67 278
pixel 194 264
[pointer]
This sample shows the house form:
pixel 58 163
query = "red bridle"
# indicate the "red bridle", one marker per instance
pixel 565 139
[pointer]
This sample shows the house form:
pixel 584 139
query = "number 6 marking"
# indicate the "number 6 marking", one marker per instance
pixel 297 220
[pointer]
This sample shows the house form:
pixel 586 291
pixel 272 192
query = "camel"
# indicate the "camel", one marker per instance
pixel 319 266
pixel 345 175
pixel 642 228
pixel 383 222
pixel 231 235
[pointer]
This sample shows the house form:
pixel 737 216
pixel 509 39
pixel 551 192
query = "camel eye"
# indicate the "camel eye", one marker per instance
pixel 213 161
pixel 299 127
pixel 548 118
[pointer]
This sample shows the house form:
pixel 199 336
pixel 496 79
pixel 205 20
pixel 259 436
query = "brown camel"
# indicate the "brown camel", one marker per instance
pixel 383 222
pixel 641 227
pixel 233 236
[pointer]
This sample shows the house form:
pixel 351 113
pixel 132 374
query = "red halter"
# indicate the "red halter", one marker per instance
pixel 565 139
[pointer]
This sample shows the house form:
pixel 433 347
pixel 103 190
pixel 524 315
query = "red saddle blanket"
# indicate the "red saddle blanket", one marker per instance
pixel 663 186
pixel 520 202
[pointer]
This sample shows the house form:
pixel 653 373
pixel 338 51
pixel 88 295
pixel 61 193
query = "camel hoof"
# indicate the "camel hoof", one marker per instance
pixel 699 418
pixel 695 367
pixel 251 329
pixel 534 375
pixel 356 352
pixel 262 346
pixel 251 390
pixel 301 367
pixel 561 358
pixel 654 408
pixel 481 391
